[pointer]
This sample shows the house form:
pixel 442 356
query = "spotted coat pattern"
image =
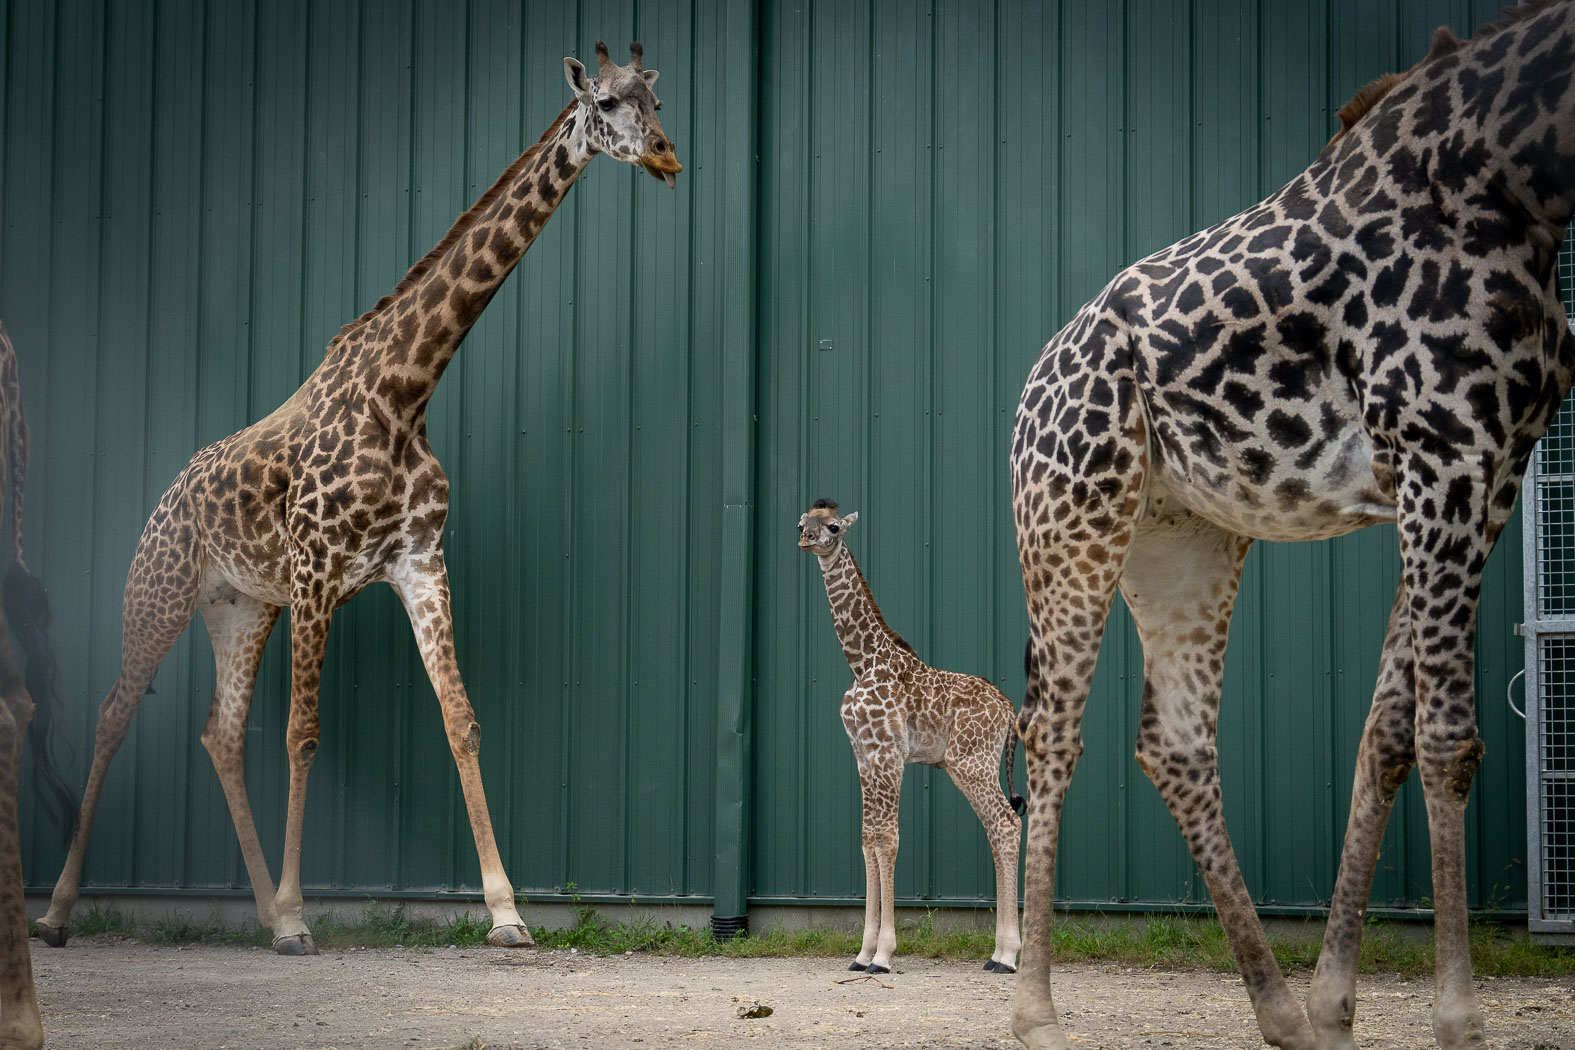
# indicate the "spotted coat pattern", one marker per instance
pixel 900 710
pixel 338 488
pixel 1380 340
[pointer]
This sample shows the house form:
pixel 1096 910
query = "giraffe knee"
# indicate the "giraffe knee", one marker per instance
pixel 466 741
pixel 1462 767
pixel 1043 739
pixel 1390 778
pixel 301 745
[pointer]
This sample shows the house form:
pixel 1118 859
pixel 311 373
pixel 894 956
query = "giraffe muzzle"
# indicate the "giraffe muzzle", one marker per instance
pixel 661 160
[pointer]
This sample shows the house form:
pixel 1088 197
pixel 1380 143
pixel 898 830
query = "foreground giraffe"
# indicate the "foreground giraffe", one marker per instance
pixel 338 488
pixel 1380 340
pixel 26 612
pixel 900 710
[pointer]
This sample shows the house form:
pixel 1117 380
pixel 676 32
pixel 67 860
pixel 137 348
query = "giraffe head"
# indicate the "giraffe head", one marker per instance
pixel 618 111
pixel 820 531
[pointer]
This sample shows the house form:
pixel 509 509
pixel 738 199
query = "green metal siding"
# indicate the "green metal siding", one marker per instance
pixel 993 167
pixel 195 195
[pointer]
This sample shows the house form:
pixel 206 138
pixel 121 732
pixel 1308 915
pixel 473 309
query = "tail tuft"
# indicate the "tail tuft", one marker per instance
pixel 1019 805
pixel 26 604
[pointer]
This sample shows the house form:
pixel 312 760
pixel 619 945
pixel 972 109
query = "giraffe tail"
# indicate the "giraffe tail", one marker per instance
pixel 1011 756
pixel 1011 737
pixel 27 612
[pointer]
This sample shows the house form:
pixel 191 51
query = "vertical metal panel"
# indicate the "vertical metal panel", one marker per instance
pixel 193 203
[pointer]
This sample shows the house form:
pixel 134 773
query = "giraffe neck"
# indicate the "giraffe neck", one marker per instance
pixel 866 640
pixel 407 340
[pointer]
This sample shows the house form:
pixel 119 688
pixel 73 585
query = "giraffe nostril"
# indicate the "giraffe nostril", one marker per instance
pixel 660 147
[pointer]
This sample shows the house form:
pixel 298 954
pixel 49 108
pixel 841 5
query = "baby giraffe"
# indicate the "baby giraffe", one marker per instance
pixel 902 710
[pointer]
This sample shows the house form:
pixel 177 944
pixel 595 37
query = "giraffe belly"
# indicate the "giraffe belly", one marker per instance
pixel 1327 489
pixel 266 579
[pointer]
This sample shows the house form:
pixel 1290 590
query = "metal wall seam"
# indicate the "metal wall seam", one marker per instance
pixel 736 620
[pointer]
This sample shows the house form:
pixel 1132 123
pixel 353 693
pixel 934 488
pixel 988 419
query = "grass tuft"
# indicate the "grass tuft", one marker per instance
pixel 1179 942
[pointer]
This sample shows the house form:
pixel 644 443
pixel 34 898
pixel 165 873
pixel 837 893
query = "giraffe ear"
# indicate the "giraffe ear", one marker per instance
pixel 579 80
pixel 850 519
pixel 650 76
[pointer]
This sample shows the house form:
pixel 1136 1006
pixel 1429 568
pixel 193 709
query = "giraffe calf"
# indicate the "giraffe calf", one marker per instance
pixel 902 710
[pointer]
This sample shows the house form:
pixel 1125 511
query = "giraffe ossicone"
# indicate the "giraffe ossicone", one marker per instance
pixel 338 488
pixel 901 710
pixel 1380 340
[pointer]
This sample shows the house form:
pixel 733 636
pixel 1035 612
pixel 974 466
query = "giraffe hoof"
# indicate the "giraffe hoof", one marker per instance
pixel 54 936
pixel 991 965
pixel 1003 968
pixel 876 968
pixel 295 944
pixel 510 937
pixel 856 965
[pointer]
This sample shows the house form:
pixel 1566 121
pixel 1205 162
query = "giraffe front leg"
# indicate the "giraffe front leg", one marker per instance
pixel 423 589
pixel 309 619
pixel 871 905
pixel 1449 520
pixel 1448 524
pixel 1385 758
pixel 882 789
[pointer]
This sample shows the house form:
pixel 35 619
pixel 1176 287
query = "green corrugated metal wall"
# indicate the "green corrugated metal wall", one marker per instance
pixel 887 209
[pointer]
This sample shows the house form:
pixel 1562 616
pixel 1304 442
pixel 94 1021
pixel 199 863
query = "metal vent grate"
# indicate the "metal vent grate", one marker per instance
pixel 1556 774
pixel 1549 539
pixel 1555 495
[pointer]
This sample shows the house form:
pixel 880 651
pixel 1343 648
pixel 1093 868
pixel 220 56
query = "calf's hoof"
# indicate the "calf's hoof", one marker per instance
pixel 877 968
pixel 512 936
pixel 54 936
pixel 999 967
pixel 295 944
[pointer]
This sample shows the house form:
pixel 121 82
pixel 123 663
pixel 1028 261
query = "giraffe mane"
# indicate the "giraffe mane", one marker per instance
pixel 1366 98
pixel 1444 42
pixel 461 226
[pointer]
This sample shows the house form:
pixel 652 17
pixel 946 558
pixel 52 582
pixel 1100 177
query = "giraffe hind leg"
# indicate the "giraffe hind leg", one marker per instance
pixel 977 776
pixel 160 600
pixel 882 792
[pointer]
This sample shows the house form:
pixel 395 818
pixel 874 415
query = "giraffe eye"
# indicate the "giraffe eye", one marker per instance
pixel 607 104
pixel 834 529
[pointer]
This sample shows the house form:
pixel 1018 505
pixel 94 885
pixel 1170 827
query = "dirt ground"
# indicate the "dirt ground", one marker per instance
pixel 102 993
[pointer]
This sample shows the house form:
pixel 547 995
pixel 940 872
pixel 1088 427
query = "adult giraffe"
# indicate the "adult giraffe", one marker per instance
pixel 1380 340
pixel 338 488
